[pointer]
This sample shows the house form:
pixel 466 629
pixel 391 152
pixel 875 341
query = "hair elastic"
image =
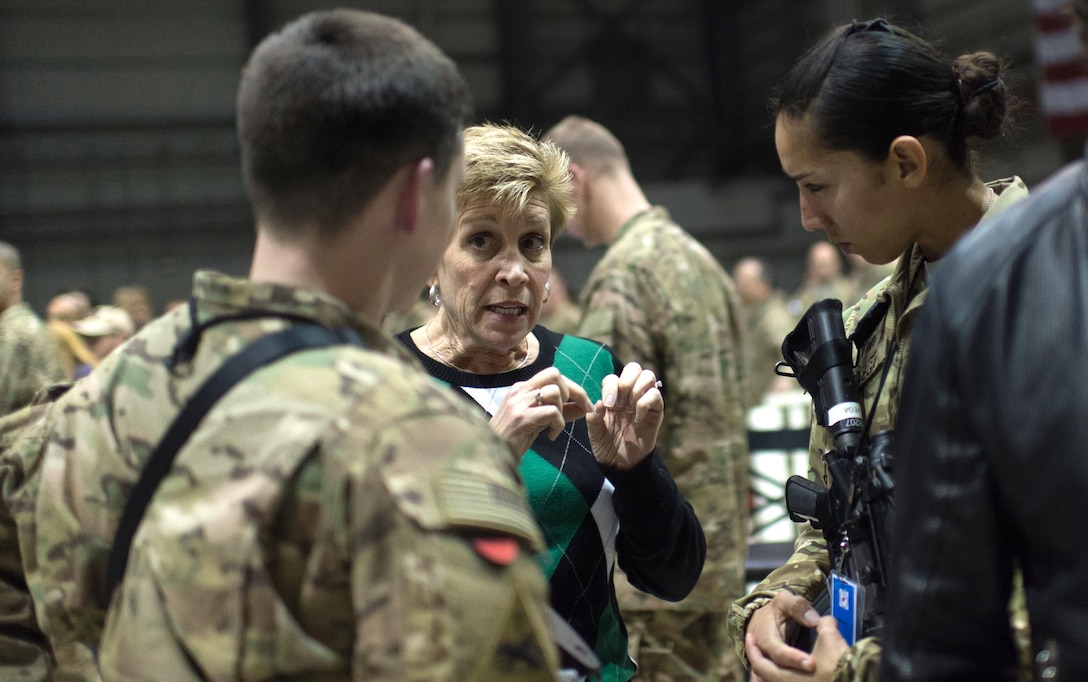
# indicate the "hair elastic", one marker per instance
pixel 879 25
pixel 986 87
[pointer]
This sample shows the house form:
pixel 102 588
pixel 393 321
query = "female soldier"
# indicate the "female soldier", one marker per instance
pixel 873 125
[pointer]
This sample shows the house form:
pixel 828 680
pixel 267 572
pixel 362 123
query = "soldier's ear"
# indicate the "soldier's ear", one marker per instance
pixel 17 282
pixel 578 181
pixel 411 181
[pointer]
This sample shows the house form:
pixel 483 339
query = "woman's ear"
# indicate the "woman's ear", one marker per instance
pixel 908 160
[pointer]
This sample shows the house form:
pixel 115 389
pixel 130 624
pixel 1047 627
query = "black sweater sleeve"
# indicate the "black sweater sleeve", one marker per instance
pixel 660 544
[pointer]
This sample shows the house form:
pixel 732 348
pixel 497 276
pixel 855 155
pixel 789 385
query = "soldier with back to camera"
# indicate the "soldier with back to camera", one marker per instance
pixel 336 514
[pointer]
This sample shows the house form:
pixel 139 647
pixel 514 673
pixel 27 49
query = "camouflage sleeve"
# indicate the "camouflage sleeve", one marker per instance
pixel 620 312
pixel 24 655
pixel 461 596
pixel 402 549
pixel 25 368
pixel 804 574
pixel 24 651
pixel 30 359
pixel 861 663
pixel 12 374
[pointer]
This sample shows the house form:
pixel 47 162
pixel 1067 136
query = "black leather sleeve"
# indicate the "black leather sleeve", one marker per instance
pixel 951 576
pixel 992 469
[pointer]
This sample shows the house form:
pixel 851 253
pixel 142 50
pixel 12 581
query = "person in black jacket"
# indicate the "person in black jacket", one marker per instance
pixel 995 421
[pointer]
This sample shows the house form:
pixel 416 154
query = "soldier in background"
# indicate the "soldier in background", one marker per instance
pixel 134 300
pixel 337 514
pixel 62 312
pixel 30 358
pixel 68 306
pixel 768 323
pixel 865 275
pixel 103 331
pixel 659 298
pixel 823 278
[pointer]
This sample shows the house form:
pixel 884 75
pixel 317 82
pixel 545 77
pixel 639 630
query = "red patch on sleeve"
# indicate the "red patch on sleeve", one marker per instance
pixel 500 551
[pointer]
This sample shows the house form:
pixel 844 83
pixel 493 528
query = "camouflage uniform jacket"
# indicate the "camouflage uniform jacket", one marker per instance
pixel 806 571
pixel 337 515
pixel 659 298
pixel 24 652
pixel 768 324
pixel 838 287
pixel 30 358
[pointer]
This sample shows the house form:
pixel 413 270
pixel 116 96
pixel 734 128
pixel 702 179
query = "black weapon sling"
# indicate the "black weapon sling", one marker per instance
pixel 263 351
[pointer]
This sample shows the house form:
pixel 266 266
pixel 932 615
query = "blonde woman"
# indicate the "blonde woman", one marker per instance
pixel 586 423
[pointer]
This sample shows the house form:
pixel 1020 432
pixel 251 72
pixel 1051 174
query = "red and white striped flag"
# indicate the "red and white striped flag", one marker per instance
pixel 1063 78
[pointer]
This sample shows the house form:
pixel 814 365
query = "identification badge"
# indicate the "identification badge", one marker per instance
pixel 847 601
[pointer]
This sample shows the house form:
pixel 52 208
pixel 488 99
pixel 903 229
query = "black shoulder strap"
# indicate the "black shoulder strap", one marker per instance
pixel 263 351
pixel 869 322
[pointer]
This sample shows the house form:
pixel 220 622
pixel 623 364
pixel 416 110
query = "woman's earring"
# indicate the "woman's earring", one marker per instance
pixel 547 291
pixel 432 293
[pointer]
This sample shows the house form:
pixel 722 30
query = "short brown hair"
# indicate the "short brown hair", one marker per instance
pixel 332 105
pixel 589 144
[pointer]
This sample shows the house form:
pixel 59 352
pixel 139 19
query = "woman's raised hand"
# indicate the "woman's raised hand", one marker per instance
pixel 546 401
pixel 623 425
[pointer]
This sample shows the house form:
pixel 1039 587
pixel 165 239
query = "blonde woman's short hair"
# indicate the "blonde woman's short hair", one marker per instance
pixel 508 167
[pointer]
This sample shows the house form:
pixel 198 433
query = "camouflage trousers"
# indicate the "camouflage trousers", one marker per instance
pixel 24 661
pixel 24 653
pixel 675 646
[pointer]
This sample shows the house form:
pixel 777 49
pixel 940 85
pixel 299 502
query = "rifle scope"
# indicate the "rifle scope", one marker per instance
pixel 820 355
